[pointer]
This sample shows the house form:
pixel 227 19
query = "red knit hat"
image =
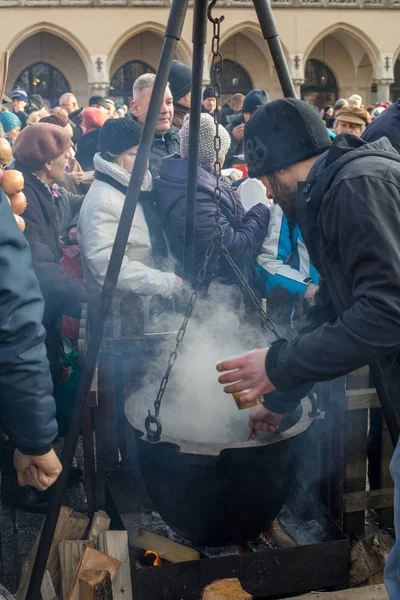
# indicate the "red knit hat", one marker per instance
pixel 40 143
pixel 93 118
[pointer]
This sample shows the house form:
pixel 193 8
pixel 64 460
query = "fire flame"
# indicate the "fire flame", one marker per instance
pixel 157 561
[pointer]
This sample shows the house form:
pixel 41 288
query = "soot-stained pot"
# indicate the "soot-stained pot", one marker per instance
pixel 215 494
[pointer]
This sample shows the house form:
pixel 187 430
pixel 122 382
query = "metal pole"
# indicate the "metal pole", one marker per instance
pixel 199 38
pixel 270 33
pixel 172 35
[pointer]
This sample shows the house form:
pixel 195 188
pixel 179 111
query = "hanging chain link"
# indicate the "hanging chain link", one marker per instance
pixel 216 245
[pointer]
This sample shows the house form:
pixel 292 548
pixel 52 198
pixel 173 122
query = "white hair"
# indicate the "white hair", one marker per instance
pixel 141 83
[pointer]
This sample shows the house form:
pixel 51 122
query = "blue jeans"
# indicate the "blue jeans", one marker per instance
pixel 392 569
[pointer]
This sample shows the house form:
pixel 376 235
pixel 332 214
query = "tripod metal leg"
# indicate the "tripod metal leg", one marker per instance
pixel 199 39
pixel 270 33
pixel 172 35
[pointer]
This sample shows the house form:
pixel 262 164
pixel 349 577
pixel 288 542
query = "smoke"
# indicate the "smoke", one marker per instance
pixel 194 406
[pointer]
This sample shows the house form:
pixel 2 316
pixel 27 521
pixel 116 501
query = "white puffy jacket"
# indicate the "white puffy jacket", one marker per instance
pixel 97 226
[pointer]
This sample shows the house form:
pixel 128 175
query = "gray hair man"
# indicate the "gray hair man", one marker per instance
pixel 166 140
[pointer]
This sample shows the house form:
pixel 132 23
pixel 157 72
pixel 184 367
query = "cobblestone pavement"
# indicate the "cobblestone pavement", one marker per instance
pixel 18 531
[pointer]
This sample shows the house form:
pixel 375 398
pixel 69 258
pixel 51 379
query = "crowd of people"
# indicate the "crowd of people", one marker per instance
pixel 77 163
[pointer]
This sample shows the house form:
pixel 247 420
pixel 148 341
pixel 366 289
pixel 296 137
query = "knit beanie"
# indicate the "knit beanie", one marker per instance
pixel 254 100
pixel 208 93
pixel 100 100
pixel 19 94
pixel 40 143
pixel 355 100
pixel 36 102
pixel 118 135
pixel 9 121
pixel 206 140
pixel 283 133
pixel 180 80
pixel 93 118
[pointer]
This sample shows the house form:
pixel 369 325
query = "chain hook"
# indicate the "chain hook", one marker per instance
pixel 214 20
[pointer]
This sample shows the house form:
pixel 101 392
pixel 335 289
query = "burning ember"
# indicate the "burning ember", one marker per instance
pixel 157 560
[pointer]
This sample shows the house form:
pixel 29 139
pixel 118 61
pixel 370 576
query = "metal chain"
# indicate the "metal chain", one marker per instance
pixel 217 63
pixel 217 243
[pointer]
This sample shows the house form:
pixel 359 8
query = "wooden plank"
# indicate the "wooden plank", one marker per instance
pixel 95 585
pixel 165 548
pixel 225 589
pixel 370 592
pixel 47 588
pixel 282 538
pixel 93 398
pixel 361 399
pixel 115 544
pixel 70 525
pixel 355 478
pixel 92 559
pixel 385 515
pixel 70 553
pixel 368 500
pixel 101 522
pixel 4 594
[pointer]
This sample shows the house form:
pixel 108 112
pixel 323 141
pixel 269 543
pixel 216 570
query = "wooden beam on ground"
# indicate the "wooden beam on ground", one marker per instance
pixel 92 559
pixel 95 585
pixel 368 500
pixel 4 594
pixel 115 544
pixel 165 548
pixel 70 526
pixel 101 522
pixel 225 589
pixel 370 592
pixel 71 552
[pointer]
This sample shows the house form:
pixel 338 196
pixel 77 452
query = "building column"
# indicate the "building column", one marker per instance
pixel 384 77
pixel 98 76
pixel 206 72
pixel 383 90
pixel 296 66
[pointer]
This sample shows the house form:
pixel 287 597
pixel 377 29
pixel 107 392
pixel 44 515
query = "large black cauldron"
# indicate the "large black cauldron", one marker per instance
pixel 215 494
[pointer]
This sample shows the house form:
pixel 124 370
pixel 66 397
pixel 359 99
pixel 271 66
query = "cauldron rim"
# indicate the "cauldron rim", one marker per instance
pixel 214 449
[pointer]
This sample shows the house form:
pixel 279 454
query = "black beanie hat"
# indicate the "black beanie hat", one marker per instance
pixel 254 100
pixel 208 93
pixel 36 101
pixel 118 135
pixel 180 80
pixel 283 133
pixel 100 100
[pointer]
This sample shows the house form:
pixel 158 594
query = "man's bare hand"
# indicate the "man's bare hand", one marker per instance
pixel 176 288
pixel 262 419
pixel 248 373
pixel 238 132
pixel 39 471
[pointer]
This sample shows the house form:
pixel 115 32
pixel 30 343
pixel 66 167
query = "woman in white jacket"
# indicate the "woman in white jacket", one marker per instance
pixel 141 271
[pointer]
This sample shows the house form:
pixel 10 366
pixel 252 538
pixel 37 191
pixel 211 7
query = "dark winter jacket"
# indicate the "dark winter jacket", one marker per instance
pixel 68 206
pixel 163 145
pixel 75 119
pixel 386 125
pixel 243 235
pixel 27 409
pixel 349 214
pixel 62 294
pixel 88 145
pixel 237 147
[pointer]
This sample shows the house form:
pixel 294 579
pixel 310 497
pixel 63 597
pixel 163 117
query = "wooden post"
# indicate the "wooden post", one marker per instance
pixel 385 515
pixel 115 544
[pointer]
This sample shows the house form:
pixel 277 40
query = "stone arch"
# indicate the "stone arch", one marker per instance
pixel 57 31
pixel 351 56
pixel 249 43
pixel 183 52
pixel 45 44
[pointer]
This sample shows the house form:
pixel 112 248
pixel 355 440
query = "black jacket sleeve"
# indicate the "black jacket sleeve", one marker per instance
pixel 27 408
pixel 244 241
pixel 361 225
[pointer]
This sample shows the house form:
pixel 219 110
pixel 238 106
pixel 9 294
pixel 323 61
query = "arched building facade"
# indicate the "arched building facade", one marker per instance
pixel 332 51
